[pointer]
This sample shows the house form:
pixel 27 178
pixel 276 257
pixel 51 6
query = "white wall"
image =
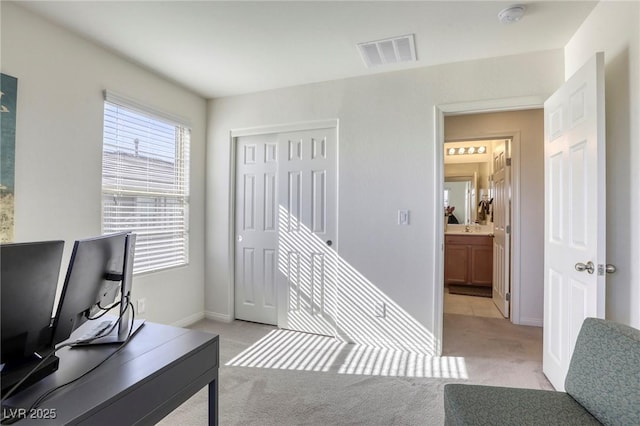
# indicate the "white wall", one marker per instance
pixel 614 28
pixel 59 148
pixel 387 160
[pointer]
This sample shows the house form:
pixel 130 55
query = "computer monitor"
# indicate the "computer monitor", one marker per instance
pixel 126 326
pixel 97 270
pixel 29 275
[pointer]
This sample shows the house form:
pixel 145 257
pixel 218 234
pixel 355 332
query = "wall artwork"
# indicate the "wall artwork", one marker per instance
pixel 8 102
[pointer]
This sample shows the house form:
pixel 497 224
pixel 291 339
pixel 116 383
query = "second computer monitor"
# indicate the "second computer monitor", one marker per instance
pixel 93 280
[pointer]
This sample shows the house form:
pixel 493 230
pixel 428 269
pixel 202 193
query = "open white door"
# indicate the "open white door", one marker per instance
pixel 574 251
pixel 502 226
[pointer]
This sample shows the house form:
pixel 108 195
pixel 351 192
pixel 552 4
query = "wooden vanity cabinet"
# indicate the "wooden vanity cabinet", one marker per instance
pixel 468 260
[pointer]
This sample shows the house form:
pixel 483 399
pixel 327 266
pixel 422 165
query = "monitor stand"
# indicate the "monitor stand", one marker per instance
pixel 115 336
pixel 12 374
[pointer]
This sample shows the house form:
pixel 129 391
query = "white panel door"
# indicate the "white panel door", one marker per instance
pixel 574 256
pixel 307 188
pixel 501 226
pixel 256 224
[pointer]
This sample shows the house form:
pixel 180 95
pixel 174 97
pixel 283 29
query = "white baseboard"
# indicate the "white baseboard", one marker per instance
pixel 191 319
pixel 533 322
pixel 217 317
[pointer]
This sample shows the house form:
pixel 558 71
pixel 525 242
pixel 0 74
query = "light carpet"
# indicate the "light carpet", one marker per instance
pixel 277 377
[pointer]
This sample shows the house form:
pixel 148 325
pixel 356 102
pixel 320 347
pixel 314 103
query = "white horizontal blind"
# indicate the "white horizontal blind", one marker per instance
pixel 145 184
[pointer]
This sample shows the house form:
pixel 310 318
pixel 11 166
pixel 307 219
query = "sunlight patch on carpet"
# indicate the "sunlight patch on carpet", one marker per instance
pixel 292 350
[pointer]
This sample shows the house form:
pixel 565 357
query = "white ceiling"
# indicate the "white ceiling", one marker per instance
pixel 220 48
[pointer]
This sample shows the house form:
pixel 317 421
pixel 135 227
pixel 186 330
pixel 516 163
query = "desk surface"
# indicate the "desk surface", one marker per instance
pixel 159 369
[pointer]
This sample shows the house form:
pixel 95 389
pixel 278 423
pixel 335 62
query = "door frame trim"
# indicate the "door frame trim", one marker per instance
pixel 234 134
pixel 284 128
pixel 440 111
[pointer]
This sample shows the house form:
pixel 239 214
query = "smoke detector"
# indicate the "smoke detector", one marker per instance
pixel 388 51
pixel 511 14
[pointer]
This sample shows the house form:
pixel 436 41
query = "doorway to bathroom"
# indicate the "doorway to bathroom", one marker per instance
pixel 518 226
pixel 477 241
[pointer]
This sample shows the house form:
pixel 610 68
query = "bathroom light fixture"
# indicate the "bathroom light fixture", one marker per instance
pixel 511 14
pixel 467 150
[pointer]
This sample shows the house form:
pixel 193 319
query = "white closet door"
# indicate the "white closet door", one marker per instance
pixel 307 260
pixel 256 229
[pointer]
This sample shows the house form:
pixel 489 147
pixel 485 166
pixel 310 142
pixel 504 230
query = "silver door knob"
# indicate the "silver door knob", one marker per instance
pixel 239 238
pixel 589 267
pixel 609 268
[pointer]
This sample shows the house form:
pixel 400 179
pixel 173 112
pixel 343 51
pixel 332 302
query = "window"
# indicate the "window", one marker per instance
pixel 145 182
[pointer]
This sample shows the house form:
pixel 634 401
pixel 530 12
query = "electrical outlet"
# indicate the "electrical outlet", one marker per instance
pixel 142 305
pixel 381 310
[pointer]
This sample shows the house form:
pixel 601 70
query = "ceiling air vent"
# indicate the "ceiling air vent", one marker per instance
pixel 388 51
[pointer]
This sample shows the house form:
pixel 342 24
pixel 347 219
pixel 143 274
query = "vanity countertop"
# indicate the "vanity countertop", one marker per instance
pixel 470 234
pixel 482 230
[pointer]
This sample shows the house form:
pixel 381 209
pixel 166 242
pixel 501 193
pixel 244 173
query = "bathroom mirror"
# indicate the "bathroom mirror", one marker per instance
pixel 460 192
pixel 467 178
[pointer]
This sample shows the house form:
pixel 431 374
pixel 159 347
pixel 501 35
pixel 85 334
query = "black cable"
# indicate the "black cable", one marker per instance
pixel 63 345
pixel 133 318
pixel 45 395
pixel 104 310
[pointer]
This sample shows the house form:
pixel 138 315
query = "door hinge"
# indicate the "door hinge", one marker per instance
pixel 508 229
pixel 508 161
pixel 507 297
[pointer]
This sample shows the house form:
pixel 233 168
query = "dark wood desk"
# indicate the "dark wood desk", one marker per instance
pixel 159 369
